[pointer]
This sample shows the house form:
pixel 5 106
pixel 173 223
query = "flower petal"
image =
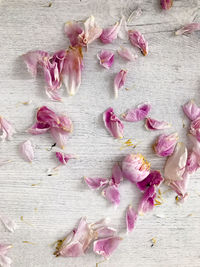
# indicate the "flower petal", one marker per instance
pixel 137 114
pixel 6 129
pixel 60 136
pixel 105 231
pixel 9 224
pixel 166 4
pixel 39 128
pixel 5 261
pixel 111 193
pixel 110 34
pixel 195 128
pixel 189 28
pixel 180 186
pixel 147 202
pixel 165 144
pixel 117 175
pixel 73 31
pixel 152 124
pixel 131 217
pixel 106 58
pixel 191 110
pixel 154 178
pixel 127 54
pixel 64 158
pixel 27 151
pixel 137 39
pixel 96 183
pixel 193 162
pixel 119 81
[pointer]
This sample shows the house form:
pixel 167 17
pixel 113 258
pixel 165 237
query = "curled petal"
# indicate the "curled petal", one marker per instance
pixel 113 123
pixel 153 125
pixel 135 168
pixel 131 217
pixel 195 128
pixel 111 193
pixel 166 4
pixel 60 136
pixel 137 39
pixel 64 158
pixel 96 183
pixel 9 224
pixel 137 114
pixel 176 163
pixel 127 54
pixel 189 28
pixel 119 81
pixel 73 31
pixel 154 178
pixel 106 246
pixel 110 34
pixel 27 150
pixel 180 186
pixel 191 110
pixel 105 231
pixel 147 202
pixel 39 128
pixel 6 129
pixel 117 175
pixel 106 58
pixel 165 144
pixel 47 116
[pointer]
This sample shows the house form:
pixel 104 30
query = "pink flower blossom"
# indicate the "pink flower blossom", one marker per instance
pixel 131 217
pixel 6 129
pixel 166 4
pixel 154 178
pixel 152 124
pixel 147 202
pixel 125 53
pixel 189 28
pixel 137 39
pixel 165 144
pixel 27 150
pixel 119 81
pixel 137 114
pixel 110 34
pixel 4 260
pixel 64 158
pixel 191 110
pixel 106 58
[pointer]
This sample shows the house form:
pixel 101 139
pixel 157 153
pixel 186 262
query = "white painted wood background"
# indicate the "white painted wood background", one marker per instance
pixel 167 78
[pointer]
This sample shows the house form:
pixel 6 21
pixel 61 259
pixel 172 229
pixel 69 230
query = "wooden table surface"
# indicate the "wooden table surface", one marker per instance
pixel 167 78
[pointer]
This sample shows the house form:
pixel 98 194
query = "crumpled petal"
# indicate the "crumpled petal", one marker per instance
pixel 72 69
pixel 64 158
pixel 110 34
pixel 39 128
pixel 189 28
pixel 137 114
pixel 111 193
pixel 127 54
pixel 195 128
pixel 73 31
pixel 154 178
pixel 96 183
pixel 176 163
pixel 8 223
pixel 191 110
pixel 4 260
pixel 152 124
pixel 113 123
pixel 106 58
pixel 106 246
pixel 27 150
pixel 147 202
pixel 6 129
pixel 135 168
pixel 119 81
pixel 180 186
pixel 131 217
pixel 137 39
pixel 165 144
pixel 166 4
pixel 117 175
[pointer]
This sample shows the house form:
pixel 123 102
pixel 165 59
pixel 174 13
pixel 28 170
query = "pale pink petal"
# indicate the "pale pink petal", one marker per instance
pixel 101 223
pixel 105 231
pixel 135 168
pixel 154 178
pixel 131 217
pixel 195 128
pixel 110 34
pixel 176 163
pixel 113 123
pixel 53 94
pixel 73 31
pixel 137 114
pixel 106 58
pixel 165 144
pixel 64 158
pixel 117 175
pixel 8 223
pixel 111 193
pixel 137 39
pixel 196 144
pixel 4 249
pixel 27 151
pixel 125 53
pixel 5 261
pixel 60 136
pixel 180 187
pixel 191 110
pixel 147 202
pixel 96 183
pixel 119 81
pixel 123 32
pixel 152 124
pixel 6 129
pixel 193 162
pixel 166 4
pixel 189 28
pixel 105 247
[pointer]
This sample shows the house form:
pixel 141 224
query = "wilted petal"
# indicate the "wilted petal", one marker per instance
pixel 117 175
pixel 165 144
pixel 176 163
pixel 105 231
pixel 96 183
pixel 110 34
pixel 27 151
pixel 113 123
pixel 106 58
pixel 166 4
pixel 105 247
pixel 6 129
pixel 127 54
pixel 180 187
pixel 119 81
pixel 131 217
pixel 195 128
pixel 8 223
pixel 137 39
pixel 152 124
pixel 111 193
pixel 189 28
pixel 39 128
pixel 72 69
pixel 135 168
pixel 154 178
pixel 47 116
pixel 191 110
pixel 73 31
pixel 60 136
pixel 137 114
pixel 64 158
pixel 147 202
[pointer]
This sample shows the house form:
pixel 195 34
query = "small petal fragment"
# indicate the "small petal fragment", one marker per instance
pixel 110 34
pixel 137 39
pixel 189 28
pixel 111 193
pixel 60 136
pixel 154 178
pixel 195 128
pixel 8 223
pixel 106 58
pixel 105 247
pixel 137 114
pixel 113 123
pixel 180 186
pixel 27 151
pixel 6 129
pixel 147 202
pixel 64 158
pixel 105 231
pixel 4 260
pixel 117 175
pixel 127 54
pixel 165 144
pixel 131 217
pixel 96 183
pixel 152 124
pixel 73 31
pixel 119 81
pixel 166 4
pixel 191 110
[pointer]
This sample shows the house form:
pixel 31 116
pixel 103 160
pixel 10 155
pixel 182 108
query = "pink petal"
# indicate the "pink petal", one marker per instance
pixel 64 158
pixel 127 54
pixel 195 144
pixel 73 31
pixel 105 231
pixel 27 151
pixel 195 128
pixel 6 129
pixel 176 163
pixel 113 123
pixel 147 202
pixel 135 168
pixel 60 136
pixel 166 4
pixel 4 249
pixel 5 261
pixel 154 178
pixel 180 187
pixel 137 39
pixel 152 124
pixel 119 81
pixel 47 116
pixel 110 34
pixel 165 144
pixel 72 69
pixel 189 28
pixel 106 58
pixel 105 247
pixel 117 175
pixel 9 224
pixel 131 217
pixel 96 183
pixel 191 110
pixel 137 114
pixel 39 128
pixel 111 193
pixel 193 162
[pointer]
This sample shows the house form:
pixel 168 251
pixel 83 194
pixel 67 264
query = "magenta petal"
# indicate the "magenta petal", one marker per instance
pixel 6 129
pixel 113 123
pixel 189 28
pixel 165 144
pixel 105 247
pixel 125 53
pixel 137 114
pixel 137 39
pixel 64 158
pixel 27 150
pixel 110 34
pixel 152 124
pixel 119 81
pixel 73 31
pixel 166 4
pixel 147 202
pixel 48 116
pixel 131 217
pixel 96 183
pixel 106 58
pixel 191 110
pixel 154 178
pixel 117 175
pixel 111 193
pixel 39 128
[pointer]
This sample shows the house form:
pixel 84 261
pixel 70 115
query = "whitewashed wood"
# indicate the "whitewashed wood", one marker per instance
pixel 167 78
